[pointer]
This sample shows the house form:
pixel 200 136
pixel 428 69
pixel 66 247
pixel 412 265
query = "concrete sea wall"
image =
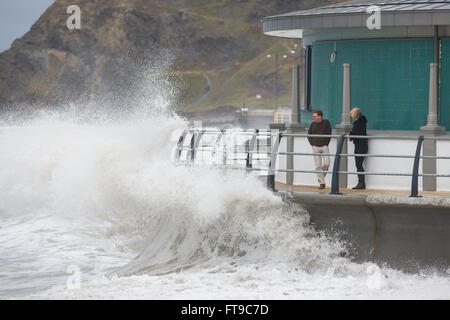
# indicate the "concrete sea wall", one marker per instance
pixel 401 232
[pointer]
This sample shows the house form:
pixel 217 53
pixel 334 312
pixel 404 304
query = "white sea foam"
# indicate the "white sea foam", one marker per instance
pixel 106 199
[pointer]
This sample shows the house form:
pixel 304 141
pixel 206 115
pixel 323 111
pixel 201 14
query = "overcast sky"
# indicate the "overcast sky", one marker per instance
pixel 17 17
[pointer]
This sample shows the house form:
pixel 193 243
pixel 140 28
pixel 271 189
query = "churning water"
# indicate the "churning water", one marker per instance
pixel 101 202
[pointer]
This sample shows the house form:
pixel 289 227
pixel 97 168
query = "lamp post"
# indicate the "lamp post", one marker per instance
pixel 276 76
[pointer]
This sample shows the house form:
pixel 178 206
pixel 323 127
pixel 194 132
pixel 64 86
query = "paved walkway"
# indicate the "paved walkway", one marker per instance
pixel 208 89
pixel 283 187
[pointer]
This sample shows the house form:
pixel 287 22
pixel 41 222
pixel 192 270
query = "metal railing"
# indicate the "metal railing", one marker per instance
pixel 337 158
pixel 239 149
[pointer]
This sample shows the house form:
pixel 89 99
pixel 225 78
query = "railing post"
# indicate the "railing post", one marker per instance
pixel 337 160
pixel 178 150
pixel 415 173
pixel 272 164
pixel 192 145
pixel 346 124
pixel 248 163
pixel 224 150
pixel 249 160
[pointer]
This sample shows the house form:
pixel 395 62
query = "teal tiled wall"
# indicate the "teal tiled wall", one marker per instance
pixel 444 89
pixel 390 81
pixel 307 118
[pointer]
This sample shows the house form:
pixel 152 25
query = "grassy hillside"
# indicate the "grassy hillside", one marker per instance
pixel 246 79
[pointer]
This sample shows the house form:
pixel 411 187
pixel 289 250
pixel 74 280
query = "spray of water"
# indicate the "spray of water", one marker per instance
pixel 98 191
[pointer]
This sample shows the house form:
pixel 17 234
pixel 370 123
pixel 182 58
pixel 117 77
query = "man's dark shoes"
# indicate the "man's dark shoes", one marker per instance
pixel 322 186
pixel 359 186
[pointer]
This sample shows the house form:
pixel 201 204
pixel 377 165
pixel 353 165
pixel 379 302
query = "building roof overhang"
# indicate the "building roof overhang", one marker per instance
pixel 354 14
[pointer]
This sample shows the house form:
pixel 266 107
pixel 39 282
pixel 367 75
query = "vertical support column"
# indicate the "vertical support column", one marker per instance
pixel 432 121
pixel 335 178
pixel 346 124
pixel 433 97
pixel 295 112
pixel 275 130
pixel 276 80
pixel 346 95
pixel 431 129
pixel 429 165
pixel 343 166
pixel 290 158
pixel 224 150
pixel 271 184
pixel 295 126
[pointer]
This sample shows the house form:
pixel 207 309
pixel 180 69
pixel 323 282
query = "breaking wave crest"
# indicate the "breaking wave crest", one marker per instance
pixel 115 186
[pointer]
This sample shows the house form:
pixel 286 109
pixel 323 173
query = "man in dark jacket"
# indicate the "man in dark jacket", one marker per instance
pixel 361 145
pixel 320 145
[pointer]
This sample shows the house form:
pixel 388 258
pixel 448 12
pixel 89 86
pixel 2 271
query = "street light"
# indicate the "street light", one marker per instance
pixel 276 76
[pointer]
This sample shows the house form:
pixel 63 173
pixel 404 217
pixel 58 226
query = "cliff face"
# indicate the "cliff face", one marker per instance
pixel 122 42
